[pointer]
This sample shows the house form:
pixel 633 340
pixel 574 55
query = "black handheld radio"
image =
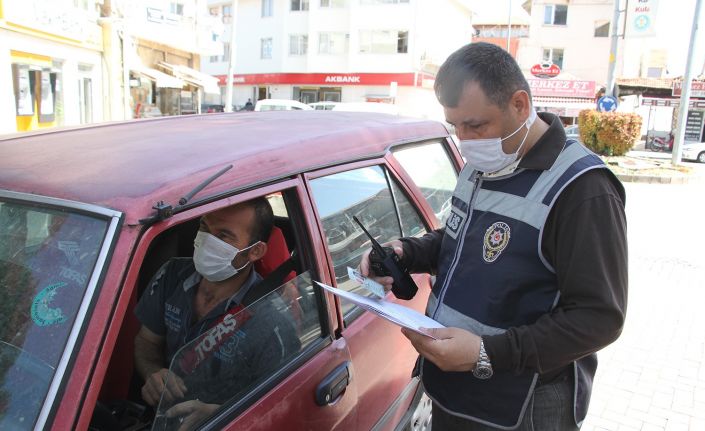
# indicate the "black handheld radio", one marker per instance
pixel 385 262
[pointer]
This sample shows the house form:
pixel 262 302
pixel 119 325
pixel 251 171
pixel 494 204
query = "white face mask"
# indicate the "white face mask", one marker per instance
pixel 213 257
pixel 487 155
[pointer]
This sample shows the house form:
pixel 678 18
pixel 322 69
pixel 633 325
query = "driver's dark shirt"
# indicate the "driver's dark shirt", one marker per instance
pixel 264 339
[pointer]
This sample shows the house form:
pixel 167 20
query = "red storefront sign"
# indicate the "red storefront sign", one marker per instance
pixel 562 88
pixel 545 70
pixel 327 79
pixel 697 88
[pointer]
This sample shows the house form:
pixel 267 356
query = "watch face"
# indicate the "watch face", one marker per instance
pixel 482 372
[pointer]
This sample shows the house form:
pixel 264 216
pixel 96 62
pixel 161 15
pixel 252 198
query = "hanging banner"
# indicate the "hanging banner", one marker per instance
pixel 641 18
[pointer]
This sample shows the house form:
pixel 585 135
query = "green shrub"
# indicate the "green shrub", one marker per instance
pixel 609 133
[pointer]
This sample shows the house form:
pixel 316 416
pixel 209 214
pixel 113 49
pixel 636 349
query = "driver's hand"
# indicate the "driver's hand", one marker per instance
pixel 161 381
pixel 366 270
pixel 191 413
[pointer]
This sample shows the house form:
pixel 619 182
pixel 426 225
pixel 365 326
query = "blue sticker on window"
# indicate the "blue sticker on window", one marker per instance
pixel 42 313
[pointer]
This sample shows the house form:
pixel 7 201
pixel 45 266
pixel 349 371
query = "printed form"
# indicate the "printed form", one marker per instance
pixel 395 313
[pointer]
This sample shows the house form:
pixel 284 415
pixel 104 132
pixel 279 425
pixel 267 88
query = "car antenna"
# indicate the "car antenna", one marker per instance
pixel 164 210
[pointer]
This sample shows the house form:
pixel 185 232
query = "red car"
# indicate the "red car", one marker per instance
pixel 88 216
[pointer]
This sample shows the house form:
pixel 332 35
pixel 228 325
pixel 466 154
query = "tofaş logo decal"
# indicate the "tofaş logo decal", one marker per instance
pixel 545 70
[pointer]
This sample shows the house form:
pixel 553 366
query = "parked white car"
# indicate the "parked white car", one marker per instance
pixel 281 105
pixel 382 108
pixel 694 151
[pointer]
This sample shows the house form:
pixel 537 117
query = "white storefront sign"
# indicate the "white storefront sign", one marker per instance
pixel 641 18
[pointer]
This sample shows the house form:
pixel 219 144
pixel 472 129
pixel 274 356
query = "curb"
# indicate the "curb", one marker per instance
pixel 653 179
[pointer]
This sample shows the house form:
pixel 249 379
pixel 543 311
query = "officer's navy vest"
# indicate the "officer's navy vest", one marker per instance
pixel 492 276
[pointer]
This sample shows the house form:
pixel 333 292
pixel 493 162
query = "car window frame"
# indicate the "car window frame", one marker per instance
pixel 138 254
pixel 74 343
pixel 456 162
pixel 391 175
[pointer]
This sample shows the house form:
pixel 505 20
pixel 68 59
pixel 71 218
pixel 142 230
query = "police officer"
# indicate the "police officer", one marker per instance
pixel 531 264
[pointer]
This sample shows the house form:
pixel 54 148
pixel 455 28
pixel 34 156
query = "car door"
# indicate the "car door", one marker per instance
pixel 310 388
pixel 382 358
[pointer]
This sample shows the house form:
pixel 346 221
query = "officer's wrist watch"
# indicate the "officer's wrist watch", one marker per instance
pixel 483 368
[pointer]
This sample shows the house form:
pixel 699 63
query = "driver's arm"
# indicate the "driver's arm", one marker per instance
pixel 149 352
pixel 149 362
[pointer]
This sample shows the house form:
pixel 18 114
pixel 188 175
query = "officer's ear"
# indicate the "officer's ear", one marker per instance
pixel 520 103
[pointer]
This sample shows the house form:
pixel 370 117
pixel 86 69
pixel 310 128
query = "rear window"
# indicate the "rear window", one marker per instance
pixel 47 257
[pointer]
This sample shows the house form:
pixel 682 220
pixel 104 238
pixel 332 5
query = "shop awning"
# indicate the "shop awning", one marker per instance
pixel 161 79
pixel 193 76
pixel 563 106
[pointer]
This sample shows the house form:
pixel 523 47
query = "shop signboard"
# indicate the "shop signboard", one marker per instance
pixel 562 88
pixel 697 88
pixel 641 18
pixel 694 126
pixel 328 79
pixel 545 70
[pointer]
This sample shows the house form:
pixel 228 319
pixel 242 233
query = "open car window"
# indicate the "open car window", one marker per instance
pixel 47 257
pixel 372 196
pixel 240 352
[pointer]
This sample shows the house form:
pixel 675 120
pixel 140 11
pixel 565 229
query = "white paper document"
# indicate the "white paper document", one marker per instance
pixel 395 313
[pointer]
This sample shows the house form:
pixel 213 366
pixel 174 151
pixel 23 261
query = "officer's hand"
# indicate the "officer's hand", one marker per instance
pixel 454 349
pixel 366 270
pixel 161 381
pixel 191 413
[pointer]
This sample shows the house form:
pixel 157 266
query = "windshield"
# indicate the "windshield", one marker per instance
pixel 46 260
pixel 220 367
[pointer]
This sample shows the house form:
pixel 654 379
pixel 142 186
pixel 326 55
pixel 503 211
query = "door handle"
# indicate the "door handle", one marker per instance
pixel 333 384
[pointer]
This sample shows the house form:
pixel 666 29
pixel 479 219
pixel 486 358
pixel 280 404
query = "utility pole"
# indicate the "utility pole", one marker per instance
pixel 609 91
pixel 685 92
pixel 231 59
pixel 509 28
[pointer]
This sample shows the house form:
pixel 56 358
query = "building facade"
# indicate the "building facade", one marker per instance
pixel 340 50
pixel 161 43
pixel 50 64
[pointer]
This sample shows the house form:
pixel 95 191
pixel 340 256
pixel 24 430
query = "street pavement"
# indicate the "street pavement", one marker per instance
pixel 653 376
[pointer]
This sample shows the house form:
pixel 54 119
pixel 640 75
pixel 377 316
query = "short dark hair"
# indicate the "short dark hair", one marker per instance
pixel 497 73
pixel 263 222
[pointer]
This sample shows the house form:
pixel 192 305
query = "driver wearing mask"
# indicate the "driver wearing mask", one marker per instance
pixel 189 297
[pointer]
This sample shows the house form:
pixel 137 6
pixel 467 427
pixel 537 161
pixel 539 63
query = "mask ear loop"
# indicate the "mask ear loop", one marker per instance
pixel 240 251
pixel 528 130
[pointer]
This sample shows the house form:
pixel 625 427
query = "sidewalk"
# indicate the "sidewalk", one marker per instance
pixel 644 166
pixel 653 376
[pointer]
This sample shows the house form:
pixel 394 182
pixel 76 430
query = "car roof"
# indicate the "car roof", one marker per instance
pixel 129 166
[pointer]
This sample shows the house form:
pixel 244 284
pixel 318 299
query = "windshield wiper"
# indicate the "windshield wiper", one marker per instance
pixel 165 210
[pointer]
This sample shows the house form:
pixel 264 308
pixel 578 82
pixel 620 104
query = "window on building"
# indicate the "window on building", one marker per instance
pixel 333 43
pixel 384 42
pixel 299 5
pixel 298 44
pixel 555 14
pixel 267 8
pixel 383 1
pixel 227 14
pixel 602 28
pixel 333 3
pixel 266 48
pixel 176 8
pixel 553 55
pixel 226 52
pixel 654 72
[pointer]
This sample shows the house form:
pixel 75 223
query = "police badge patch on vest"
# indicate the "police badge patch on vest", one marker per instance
pixel 496 240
